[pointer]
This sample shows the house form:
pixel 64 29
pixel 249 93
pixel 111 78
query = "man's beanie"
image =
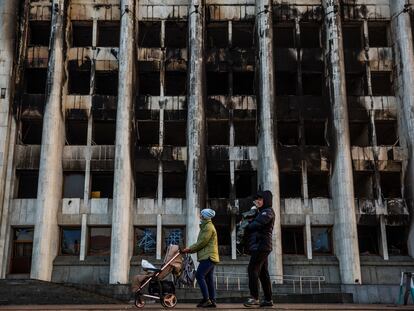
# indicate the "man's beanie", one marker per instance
pixel 208 213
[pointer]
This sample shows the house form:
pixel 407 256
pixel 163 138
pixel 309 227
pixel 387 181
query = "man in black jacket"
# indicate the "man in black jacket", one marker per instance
pixel 260 232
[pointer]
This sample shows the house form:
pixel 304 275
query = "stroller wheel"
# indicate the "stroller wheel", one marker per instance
pixel 169 301
pixel 139 302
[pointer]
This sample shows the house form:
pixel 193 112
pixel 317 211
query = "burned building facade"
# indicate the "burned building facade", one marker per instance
pixel 121 119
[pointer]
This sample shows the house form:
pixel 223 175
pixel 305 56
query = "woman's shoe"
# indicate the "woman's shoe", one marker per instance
pixel 252 303
pixel 205 304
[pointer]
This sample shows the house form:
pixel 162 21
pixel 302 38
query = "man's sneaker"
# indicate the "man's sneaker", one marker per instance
pixel 266 303
pixel 205 304
pixel 252 303
pixel 213 303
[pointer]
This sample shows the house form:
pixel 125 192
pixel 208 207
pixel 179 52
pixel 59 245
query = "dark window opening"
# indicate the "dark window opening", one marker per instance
pixel 102 184
pixel 175 83
pixel 288 133
pixel 318 185
pixel 243 35
pixel 368 240
pixel 315 133
pixel 223 225
pixel 363 185
pixel 149 83
pixel 243 83
pixel 218 132
pixel 378 35
pixel 312 84
pixel 106 83
pixel 175 133
pixel 22 250
pixel 70 239
pixel 217 35
pixel 309 36
pixel 218 184
pixel 39 33
pixel 99 241
pixel 149 34
pixel 290 185
pixel 397 237
pixel 28 182
pixel 352 36
pixel 146 185
pixel 82 33
pixel 386 132
pixel 108 33
pixel 390 184
pixel 382 83
pixel 286 83
pixel 245 133
pixel 356 84
pixel 79 78
pixel 31 131
pixel 293 242
pixel 217 83
pixel 76 132
pixel 145 240
pixel 148 133
pixel 176 34
pixel 284 36
pixel 174 184
pixel 321 240
pixel 172 236
pixel 245 183
pixel 73 185
pixel 35 79
pixel 104 132
pixel 359 133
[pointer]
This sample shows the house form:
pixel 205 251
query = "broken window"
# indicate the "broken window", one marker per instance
pixel 310 35
pixel 175 83
pixel 82 33
pixel 288 133
pixel 245 133
pixel 217 83
pixel 175 133
pixel 359 134
pixel 99 241
pixel 386 132
pixel 352 36
pixel 286 83
pixel 76 132
pixel 70 239
pixel 284 36
pixel 149 34
pixel 35 80
pixel 174 184
pixel 315 133
pixel 176 34
pixel 79 78
pixel 243 35
pixel 22 250
pixel 218 132
pixel 390 184
pixel 318 185
pixel 312 84
pixel 243 83
pixel 31 131
pixel 146 185
pixel 290 184
pixel 73 185
pixel 217 35
pixel 363 185
pixel 148 132
pixel 39 33
pixel 173 236
pixel 104 132
pixel 378 34
pixel 106 83
pixel 222 222
pixel 245 183
pixel 28 182
pixel 145 240
pixel 321 240
pixel 149 83
pixel 381 82
pixel 397 237
pixel 102 184
pixel 293 242
pixel 108 34
pixel 368 240
pixel 218 184
pixel 356 84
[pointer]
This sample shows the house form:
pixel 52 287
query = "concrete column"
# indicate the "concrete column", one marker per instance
pixel 196 124
pixel 123 199
pixel 268 170
pixel 49 193
pixel 345 230
pixel 404 72
pixel 8 23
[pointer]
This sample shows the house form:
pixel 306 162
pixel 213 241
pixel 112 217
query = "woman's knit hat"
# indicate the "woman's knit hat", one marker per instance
pixel 208 213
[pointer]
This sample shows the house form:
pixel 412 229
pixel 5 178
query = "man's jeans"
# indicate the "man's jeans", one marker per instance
pixel 205 279
pixel 257 269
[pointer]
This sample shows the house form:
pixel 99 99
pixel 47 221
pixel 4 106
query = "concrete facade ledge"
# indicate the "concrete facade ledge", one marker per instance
pixel 74 261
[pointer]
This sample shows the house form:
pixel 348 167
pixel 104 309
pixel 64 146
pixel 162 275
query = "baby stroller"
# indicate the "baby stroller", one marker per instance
pixel 158 288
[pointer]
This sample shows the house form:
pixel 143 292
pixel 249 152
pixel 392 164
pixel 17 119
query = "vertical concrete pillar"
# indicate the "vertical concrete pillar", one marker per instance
pixel 268 170
pixel 345 230
pixel 49 193
pixel 196 124
pixel 404 73
pixel 123 199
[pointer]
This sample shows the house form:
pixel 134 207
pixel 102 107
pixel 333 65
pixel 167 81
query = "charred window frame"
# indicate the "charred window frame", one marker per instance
pixel 104 132
pixel 290 185
pixel 148 81
pixel 28 181
pixel 102 183
pixel 173 185
pixel 79 78
pixel 368 239
pixel 175 83
pixel 397 238
pixel 149 34
pixel 286 83
pixel 245 183
pixel 148 132
pixel 39 33
pixel 378 34
pixel 288 133
pixel 73 185
pixel 352 35
pixel 243 35
pixel 364 185
pixel 360 133
pixel 108 33
pixel 387 132
pixel 222 222
pixel 217 35
pixel 218 132
pixel 31 131
pixel 35 80
pixel 99 242
pixel 76 132
pixel 356 83
pixel 382 83
pixel 82 33
pixel 245 132
pixel 310 35
pixel 176 34
pixel 146 184
pixel 322 240
pixel 106 83
pixel 312 83
pixel 243 83
pixel 218 184
pixel 22 250
pixel 217 83
pixel 390 184
pixel 293 241
pixel 315 133
pixel 318 184
pixel 175 132
pixel 284 34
